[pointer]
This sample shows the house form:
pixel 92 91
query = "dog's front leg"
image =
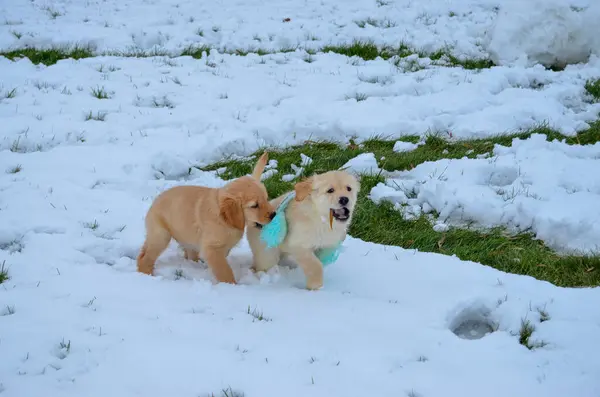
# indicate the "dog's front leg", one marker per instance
pixel 216 257
pixel 263 259
pixel 312 267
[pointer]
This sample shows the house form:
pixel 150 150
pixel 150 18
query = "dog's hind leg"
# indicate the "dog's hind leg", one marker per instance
pixel 157 240
pixel 191 254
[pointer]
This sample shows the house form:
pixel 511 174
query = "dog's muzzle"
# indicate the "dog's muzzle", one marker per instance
pixel 258 225
pixel 341 214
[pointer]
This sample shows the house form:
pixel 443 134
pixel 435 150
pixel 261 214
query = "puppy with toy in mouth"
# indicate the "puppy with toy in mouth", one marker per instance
pixel 318 218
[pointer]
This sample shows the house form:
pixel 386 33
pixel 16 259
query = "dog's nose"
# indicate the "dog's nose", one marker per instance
pixel 271 215
pixel 344 200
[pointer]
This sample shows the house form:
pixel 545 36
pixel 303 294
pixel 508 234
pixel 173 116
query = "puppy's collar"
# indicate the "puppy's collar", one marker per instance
pixel 274 232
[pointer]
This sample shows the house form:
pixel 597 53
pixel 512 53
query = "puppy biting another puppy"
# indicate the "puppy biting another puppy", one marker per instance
pixel 318 217
pixel 206 222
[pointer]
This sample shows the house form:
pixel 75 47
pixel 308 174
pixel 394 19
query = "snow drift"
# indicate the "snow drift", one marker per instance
pixel 549 32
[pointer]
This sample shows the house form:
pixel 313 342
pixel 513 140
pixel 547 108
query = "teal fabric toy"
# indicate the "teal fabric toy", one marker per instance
pixel 274 232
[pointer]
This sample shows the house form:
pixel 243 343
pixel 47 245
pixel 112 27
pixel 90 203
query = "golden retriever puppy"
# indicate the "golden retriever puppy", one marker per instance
pixel 318 199
pixel 206 222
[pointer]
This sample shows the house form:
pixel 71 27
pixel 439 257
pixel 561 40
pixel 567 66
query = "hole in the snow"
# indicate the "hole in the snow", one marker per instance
pixel 473 329
pixel 473 323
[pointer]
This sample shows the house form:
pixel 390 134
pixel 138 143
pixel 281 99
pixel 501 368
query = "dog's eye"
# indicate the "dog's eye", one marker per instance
pixel 254 205
pixel 349 188
pixel 330 190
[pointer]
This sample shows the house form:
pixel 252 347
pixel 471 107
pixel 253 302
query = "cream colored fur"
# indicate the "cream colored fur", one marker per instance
pixel 308 224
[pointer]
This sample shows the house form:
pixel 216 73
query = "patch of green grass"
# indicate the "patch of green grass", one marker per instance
pixel 110 68
pixel 359 97
pixel 383 224
pixel 309 59
pixel 49 56
pixel 64 348
pixel 474 63
pixel 257 314
pixel 196 51
pixel 52 13
pixel 9 311
pixel 362 49
pixel 593 88
pixel 91 225
pixel 544 316
pixel 100 93
pixel 99 116
pixel 369 51
pixel 525 333
pixel 365 50
pixel 4 273
pixel 10 94
pixel 163 102
pixel 16 169
pixel 229 392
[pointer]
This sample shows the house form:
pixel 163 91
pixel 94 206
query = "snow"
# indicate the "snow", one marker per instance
pixel 382 323
pixel 78 174
pixel 402 147
pixel 244 103
pixel 305 161
pixel 508 31
pixel 364 163
pixel 550 32
pixel 550 188
pixel 173 25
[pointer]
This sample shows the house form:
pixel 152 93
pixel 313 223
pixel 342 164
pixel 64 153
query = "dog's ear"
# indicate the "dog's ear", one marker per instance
pixel 260 166
pixel 303 189
pixel 231 211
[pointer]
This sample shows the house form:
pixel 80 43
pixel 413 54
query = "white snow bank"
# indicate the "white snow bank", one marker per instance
pixel 550 188
pixel 173 25
pixel 515 31
pixel 364 163
pixel 550 32
pixel 234 105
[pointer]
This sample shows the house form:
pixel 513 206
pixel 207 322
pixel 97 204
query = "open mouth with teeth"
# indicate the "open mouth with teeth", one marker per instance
pixel 340 214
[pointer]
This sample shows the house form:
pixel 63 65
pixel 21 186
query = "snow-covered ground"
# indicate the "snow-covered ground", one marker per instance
pixel 173 25
pixel 77 174
pixel 508 31
pixel 241 102
pixel 549 188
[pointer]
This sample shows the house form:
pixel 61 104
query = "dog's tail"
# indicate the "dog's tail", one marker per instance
pixel 260 166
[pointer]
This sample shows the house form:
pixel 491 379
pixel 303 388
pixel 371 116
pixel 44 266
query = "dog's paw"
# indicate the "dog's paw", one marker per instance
pixel 146 271
pixel 314 285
